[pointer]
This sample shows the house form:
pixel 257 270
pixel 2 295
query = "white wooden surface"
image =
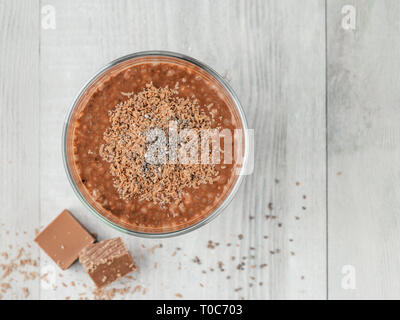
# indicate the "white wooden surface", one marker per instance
pixel 274 55
pixel 364 136
pixel 19 141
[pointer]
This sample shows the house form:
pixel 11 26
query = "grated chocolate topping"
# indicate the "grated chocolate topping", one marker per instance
pixel 134 124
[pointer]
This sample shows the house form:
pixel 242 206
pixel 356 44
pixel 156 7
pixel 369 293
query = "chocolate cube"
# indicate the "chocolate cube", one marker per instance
pixel 106 261
pixel 63 239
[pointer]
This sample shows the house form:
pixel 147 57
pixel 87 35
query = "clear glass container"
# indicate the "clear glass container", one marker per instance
pixel 116 66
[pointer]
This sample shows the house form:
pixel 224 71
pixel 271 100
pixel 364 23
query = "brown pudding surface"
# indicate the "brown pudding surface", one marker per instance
pixel 91 120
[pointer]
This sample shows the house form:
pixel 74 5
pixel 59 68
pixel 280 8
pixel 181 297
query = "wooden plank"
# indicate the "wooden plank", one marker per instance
pixel 274 58
pixel 363 99
pixel 19 141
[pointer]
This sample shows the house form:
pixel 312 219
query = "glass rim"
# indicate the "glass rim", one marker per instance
pixel 237 183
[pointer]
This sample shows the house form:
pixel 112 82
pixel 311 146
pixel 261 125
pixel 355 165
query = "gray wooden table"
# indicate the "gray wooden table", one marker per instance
pixel 319 81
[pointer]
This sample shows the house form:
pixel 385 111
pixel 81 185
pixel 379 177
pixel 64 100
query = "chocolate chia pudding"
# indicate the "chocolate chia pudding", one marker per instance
pixel 136 146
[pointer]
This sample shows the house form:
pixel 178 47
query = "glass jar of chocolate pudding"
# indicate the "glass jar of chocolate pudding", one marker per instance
pixel 155 144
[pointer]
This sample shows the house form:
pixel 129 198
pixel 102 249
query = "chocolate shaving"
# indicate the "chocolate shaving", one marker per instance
pixel 133 124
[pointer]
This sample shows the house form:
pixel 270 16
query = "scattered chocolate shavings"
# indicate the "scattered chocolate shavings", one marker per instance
pixel 108 294
pixel 20 252
pixel 127 94
pixel 136 289
pixel 196 260
pixel 211 244
pixel 153 249
pixel 133 126
pixel 240 266
pixel 26 292
pixel 21 264
pixel 4 287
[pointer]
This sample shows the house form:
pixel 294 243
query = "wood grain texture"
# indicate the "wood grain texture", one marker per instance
pixel 363 102
pixel 273 57
pixel 253 46
pixel 19 143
